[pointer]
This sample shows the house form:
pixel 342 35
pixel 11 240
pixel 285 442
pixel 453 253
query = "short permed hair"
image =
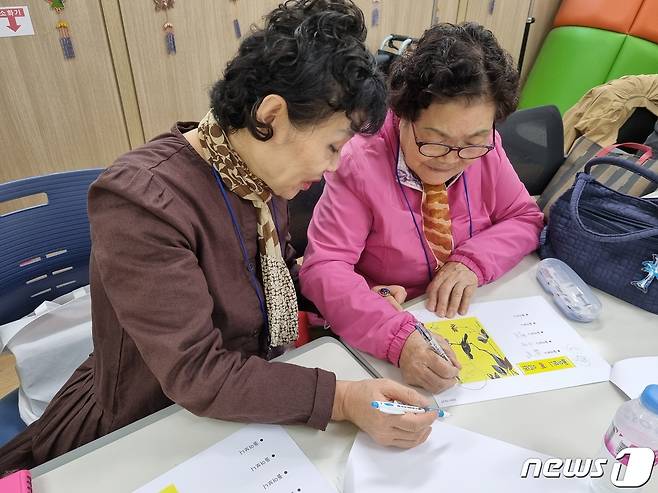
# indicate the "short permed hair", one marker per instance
pixel 453 61
pixel 312 54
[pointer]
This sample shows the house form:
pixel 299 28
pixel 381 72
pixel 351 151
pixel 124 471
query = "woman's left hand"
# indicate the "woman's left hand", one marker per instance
pixel 394 294
pixel 451 290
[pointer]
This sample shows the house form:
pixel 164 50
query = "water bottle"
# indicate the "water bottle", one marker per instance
pixel 635 424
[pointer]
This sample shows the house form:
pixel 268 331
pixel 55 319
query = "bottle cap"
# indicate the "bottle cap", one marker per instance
pixel 649 398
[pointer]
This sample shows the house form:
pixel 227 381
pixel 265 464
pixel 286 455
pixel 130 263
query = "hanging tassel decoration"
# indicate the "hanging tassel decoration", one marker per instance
pixel 167 27
pixel 170 39
pixel 65 39
pixel 63 29
pixel 56 5
pixel 375 14
pixel 236 29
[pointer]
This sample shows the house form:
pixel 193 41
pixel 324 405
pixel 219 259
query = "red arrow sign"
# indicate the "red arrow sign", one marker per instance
pixel 13 25
pixel 11 15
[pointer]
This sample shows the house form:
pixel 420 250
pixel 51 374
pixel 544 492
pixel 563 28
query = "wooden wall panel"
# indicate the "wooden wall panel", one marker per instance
pixel 123 71
pixel 506 18
pixel 410 17
pixel 446 11
pixel 175 87
pixel 59 114
pixel 123 88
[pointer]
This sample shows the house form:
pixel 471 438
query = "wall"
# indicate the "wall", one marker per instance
pixel 122 88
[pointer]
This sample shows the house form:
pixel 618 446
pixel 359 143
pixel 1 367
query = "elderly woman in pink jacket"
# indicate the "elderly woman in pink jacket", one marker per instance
pixel 429 205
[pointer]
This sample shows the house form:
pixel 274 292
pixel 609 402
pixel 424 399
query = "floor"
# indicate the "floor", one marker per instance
pixel 8 378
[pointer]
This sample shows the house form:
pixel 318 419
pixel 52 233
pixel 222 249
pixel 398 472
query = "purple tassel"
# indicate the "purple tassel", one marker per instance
pixel 65 40
pixel 170 40
pixel 171 43
pixel 374 21
pixel 69 52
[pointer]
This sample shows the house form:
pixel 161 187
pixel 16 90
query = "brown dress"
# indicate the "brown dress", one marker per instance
pixel 175 316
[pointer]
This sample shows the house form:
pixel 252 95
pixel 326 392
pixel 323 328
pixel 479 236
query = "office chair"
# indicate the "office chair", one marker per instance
pixel 533 140
pixel 300 210
pixel 44 253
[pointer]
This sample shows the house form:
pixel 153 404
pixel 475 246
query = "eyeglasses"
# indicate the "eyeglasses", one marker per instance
pixel 433 149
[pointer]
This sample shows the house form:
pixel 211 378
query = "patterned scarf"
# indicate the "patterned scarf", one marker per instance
pixel 436 221
pixel 280 297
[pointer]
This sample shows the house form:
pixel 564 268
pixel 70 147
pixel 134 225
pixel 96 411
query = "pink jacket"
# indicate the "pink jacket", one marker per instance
pixel 362 234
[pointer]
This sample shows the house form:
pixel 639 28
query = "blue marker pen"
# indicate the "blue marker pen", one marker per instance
pixel 399 408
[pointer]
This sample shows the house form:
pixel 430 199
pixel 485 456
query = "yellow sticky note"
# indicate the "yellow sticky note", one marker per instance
pixel 544 365
pixel 169 489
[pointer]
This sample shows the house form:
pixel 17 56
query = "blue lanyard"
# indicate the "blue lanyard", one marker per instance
pixel 420 235
pixel 251 268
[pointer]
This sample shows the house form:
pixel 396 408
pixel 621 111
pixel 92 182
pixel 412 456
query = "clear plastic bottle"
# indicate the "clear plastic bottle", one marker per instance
pixel 635 424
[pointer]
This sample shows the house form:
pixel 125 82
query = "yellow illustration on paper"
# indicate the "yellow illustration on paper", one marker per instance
pixel 481 358
pixel 171 488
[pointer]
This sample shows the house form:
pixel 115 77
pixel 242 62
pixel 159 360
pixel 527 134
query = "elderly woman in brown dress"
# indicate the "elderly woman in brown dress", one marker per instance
pixel 193 282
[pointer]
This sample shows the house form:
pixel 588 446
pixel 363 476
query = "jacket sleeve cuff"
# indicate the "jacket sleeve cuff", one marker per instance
pixel 470 264
pixel 400 337
pixel 323 405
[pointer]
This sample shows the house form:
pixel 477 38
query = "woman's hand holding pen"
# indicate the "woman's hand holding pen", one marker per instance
pixel 419 363
pixel 422 366
pixel 352 402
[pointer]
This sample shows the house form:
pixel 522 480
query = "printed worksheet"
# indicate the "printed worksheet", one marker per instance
pixel 257 458
pixel 514 347
pixel 451 460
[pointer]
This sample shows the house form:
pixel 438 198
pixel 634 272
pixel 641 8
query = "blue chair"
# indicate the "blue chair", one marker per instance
pixel 44 253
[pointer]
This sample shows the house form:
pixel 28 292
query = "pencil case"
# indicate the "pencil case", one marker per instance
pixel 570 293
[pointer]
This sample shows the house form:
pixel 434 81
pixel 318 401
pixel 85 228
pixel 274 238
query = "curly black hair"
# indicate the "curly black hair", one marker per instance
pixel 453 61
pixel 312 54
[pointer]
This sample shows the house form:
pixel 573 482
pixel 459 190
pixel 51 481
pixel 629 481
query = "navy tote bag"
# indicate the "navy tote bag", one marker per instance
pixel 609 238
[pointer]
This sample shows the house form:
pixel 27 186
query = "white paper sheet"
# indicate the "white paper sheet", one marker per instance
pixel 529 333
pixel 257 458
pixel 452 460
pixel 632 375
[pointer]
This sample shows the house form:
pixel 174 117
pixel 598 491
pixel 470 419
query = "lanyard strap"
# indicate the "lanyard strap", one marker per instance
pixel 251 268
pixel 420 236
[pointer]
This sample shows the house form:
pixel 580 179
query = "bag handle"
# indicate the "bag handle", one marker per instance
pixel 648 152
pixel 622 163
pixel 585 178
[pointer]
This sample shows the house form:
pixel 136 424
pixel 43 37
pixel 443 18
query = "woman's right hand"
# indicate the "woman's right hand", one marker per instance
pixel 423 367
pixel 352 402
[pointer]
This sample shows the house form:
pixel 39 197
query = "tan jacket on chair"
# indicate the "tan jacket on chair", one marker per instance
pixel 602 111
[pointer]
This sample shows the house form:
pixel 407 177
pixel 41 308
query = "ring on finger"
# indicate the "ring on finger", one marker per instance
pixel 384 292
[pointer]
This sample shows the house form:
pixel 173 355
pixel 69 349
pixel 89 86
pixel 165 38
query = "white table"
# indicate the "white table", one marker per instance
pixel 564 423
pixel 132 456
pixel 567 422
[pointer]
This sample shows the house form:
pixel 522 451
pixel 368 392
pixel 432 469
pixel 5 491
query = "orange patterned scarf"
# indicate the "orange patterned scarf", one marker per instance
pixel 436 221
